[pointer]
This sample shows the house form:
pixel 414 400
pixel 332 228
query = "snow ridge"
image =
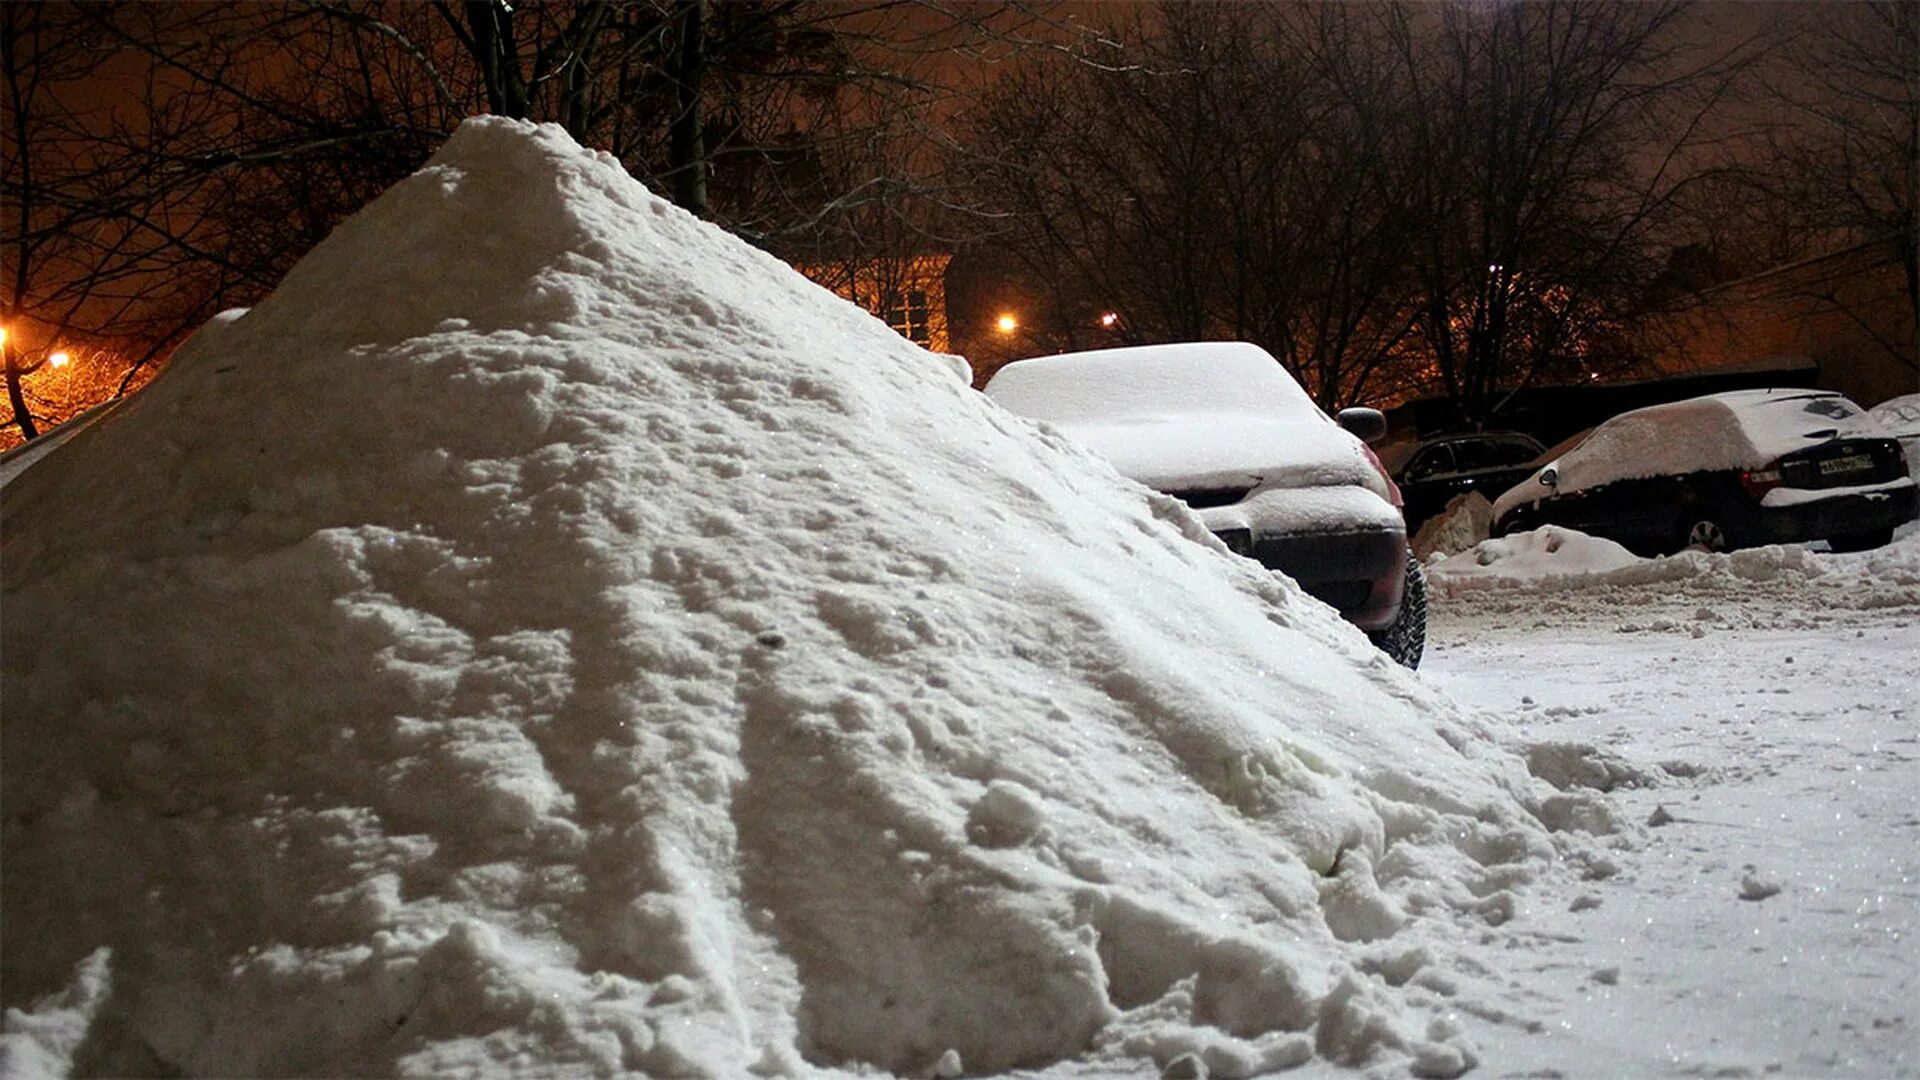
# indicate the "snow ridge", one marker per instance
pixel 551 636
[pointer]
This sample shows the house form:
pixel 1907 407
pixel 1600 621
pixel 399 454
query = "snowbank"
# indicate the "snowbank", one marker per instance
pixel 1466 520
pixel 1549 554
pixel 1555 559
pixel 549 636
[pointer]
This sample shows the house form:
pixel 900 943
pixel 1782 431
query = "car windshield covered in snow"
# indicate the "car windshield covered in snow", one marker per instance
pixel 1193 416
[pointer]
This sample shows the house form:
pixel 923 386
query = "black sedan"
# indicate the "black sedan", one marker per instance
pixel 1724 471
pixel 1440 469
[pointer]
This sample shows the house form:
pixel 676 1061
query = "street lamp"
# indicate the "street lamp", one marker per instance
pixel 58 359
pixel 1110 319
pixel 1007 324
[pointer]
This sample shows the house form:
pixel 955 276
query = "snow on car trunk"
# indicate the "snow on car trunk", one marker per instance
pixel 1739 429
pixel 551 636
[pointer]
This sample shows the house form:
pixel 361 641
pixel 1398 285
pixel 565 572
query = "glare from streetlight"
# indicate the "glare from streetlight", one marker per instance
pixel 1110 319
pixel 58 359
pixel 3 335
pixel 1007 323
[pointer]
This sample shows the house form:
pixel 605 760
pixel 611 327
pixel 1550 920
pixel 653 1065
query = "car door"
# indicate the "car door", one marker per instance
pixel 1423 486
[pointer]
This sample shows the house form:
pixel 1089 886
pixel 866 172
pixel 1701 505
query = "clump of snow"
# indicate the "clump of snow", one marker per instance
pixel 1549 554
pixel 42 1039
pixel 551 636
pixel 1466 521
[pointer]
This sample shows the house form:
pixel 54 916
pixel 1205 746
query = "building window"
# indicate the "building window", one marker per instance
pixel 908 315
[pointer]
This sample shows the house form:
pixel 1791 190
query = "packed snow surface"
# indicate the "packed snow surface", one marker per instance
pixel 550 637
pixel 1757 712
pixel 1739 429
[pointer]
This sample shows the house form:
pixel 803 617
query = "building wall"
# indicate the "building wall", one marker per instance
pixel 908 294
pixel 1848 312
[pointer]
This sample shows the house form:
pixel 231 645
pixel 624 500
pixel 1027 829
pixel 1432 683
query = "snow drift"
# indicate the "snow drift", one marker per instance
pixel 550 636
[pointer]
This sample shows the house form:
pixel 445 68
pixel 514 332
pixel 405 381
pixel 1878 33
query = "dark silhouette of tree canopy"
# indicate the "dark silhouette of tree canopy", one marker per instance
pixel 223 141
pixel 1851 145
pixel 1460 197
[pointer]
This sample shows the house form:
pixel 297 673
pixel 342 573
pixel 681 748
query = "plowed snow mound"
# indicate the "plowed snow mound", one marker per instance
pixel 551 636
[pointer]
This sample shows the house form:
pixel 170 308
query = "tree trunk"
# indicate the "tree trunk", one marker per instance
pixel 687 146
pixel 493 47
pixel 14 397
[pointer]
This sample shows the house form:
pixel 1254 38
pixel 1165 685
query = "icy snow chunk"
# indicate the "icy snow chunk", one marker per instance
pixel 1465 521
pixel 1007 814
pixel 1581 765
pixel 40 1040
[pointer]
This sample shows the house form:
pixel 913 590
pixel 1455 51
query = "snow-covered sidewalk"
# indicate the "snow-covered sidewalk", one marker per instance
pixel 1767 730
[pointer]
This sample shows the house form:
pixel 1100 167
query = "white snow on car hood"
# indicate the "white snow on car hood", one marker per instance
pixel 1174 453
pixel 549 636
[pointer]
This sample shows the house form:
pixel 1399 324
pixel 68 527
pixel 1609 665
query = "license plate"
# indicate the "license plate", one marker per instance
pixel 1850 463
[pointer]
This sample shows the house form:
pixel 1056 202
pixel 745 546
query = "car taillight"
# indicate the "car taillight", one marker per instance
pixel 1760 481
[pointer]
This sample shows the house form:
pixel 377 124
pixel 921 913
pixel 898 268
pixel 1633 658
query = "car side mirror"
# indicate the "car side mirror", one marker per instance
pixel 1550 476
pixel 1367 425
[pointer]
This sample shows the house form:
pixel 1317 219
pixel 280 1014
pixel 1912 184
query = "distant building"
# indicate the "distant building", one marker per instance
pixel 907 293
pixel 1848 312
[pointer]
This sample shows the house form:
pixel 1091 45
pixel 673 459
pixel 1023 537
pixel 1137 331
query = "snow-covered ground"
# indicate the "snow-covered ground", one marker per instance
pixel 1763 713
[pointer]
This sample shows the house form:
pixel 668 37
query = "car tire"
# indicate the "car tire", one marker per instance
pixel 1860 541
pixel 1700 531
pixel 1405 639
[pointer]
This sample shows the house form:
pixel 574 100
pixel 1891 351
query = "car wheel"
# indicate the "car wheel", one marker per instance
pixel 1698 533
pixel 1405 639
pixel 1860 541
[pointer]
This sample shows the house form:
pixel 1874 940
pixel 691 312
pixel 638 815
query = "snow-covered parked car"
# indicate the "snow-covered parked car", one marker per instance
pixel 1222 427
pixel 1728 470
pixel 1434 472
pixel 1901 417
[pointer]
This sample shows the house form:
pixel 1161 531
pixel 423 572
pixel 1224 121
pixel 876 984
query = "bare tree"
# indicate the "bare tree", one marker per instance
pixel 1849 157
pixel 104 238
pixel 1551 137
pixel 162 160
pixel 1218 171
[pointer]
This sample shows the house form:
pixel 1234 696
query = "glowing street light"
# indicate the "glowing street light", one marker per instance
pixel 1110 320
pixel 58 359
pixel 1007 323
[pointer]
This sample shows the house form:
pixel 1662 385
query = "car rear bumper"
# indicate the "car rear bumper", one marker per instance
pixel 1362 574
pixel 1840 515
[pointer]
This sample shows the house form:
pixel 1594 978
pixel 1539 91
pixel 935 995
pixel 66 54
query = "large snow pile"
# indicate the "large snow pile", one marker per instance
pixel 549 636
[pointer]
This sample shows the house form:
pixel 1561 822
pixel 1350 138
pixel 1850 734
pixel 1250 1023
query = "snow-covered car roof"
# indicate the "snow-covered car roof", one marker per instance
pixel 1188 415
pixel 1738 429
pixel 1900 416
